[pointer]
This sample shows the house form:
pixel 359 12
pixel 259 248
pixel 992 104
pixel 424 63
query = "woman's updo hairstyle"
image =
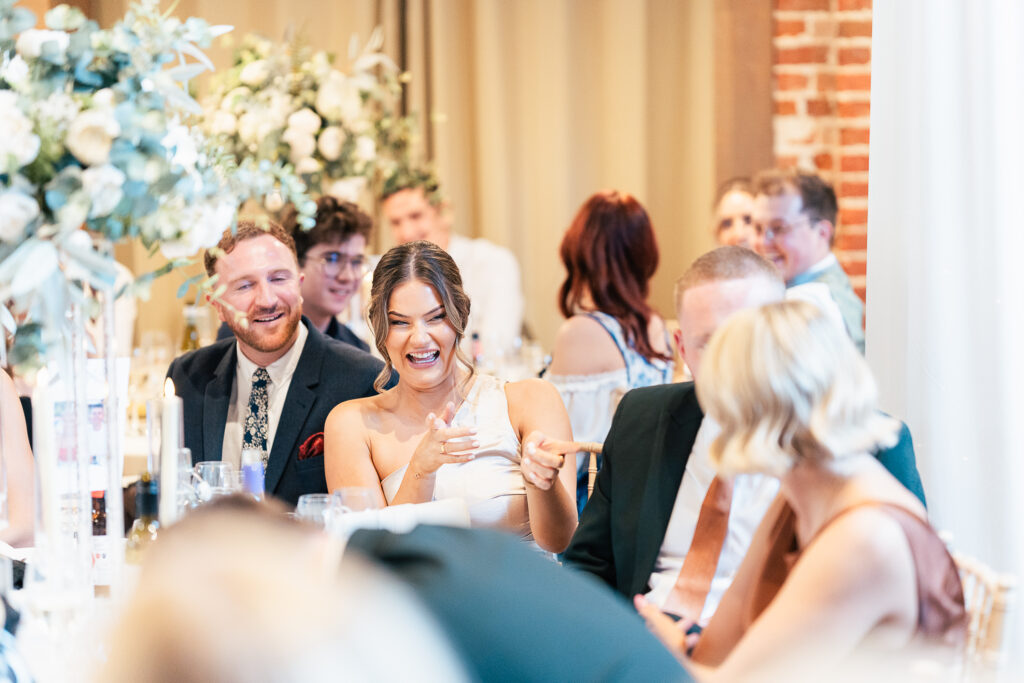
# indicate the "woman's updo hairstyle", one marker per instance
pixel 786 384
pixel 426 262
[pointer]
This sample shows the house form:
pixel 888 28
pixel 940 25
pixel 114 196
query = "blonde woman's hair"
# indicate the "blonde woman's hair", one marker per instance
pixel 785 384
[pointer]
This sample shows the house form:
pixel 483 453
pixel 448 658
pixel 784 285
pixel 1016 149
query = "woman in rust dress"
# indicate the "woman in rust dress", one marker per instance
pixel 845 568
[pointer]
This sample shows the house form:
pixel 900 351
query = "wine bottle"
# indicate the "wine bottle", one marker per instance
pixel 144 529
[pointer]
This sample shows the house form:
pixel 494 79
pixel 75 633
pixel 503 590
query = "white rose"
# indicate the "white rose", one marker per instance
pixel 18 144
pixel 279 109
pixel 201 226
pixel 30 43
pixel 347 189
pixel 103 185
pixel 255 73
pixel 91 135
pixel 274 201
pixel 104 99
pixel 338 98
pixel 330 142
pixel 304 120
pixel 300 144
pixel 307 166
pixel 237 100
pixel 179 139
pixel 59 109
pixel 223 123
pixel 366 149
pixel 15 72
pixel 17 211
pixel 249 128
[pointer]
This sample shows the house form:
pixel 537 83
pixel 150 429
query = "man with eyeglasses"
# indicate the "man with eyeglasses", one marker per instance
pixel 794 227
pixel 332 261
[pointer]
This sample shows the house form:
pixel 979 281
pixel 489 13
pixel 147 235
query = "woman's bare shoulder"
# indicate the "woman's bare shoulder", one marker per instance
pixel 584 347
pixel 367 411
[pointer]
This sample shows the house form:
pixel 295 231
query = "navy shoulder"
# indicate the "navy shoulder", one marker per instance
pixel 202 361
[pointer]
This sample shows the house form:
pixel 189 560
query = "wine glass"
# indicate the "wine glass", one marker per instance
pixel 214 478
pixel 312 507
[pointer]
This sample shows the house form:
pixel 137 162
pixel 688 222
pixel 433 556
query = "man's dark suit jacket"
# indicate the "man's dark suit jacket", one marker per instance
pixel 328 373
pixel 623 525
pixel 514 615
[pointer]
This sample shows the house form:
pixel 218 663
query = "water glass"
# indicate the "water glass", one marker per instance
pixel 354 499
pixel 215 478
pixel 312 507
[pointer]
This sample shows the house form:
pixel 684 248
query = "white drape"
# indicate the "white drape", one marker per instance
pixel 945 316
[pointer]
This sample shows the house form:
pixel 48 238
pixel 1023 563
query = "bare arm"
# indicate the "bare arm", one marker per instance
pixel 858 573
pixel 549 461
pixel 17 457
pixel 347 451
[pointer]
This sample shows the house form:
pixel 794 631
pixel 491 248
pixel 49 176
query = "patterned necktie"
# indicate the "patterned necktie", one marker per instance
pixel 257 420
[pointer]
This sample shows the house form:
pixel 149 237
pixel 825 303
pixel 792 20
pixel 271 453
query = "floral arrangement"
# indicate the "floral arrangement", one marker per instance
pixel 340 131
pixel 98 147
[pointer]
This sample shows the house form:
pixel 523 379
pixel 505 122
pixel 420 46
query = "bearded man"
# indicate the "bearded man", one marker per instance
pixel 271 386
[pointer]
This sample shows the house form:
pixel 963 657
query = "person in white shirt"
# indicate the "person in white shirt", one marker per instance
pixel 490 273
pixel 794 227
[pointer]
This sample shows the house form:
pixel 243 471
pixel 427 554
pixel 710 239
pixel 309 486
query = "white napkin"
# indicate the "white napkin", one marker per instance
pixel 400 518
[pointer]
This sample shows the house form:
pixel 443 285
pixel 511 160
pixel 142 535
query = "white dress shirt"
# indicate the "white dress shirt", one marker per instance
pixel 490 276
pixel 280 372
pixel 751 496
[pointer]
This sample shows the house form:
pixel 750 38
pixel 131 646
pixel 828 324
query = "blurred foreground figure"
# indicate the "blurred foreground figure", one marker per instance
pixel 237 591
pixel 512 614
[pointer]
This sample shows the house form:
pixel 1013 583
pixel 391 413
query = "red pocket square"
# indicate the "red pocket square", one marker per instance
pixel 313 447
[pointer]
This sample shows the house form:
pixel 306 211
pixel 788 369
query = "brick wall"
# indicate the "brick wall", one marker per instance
pixel 822 93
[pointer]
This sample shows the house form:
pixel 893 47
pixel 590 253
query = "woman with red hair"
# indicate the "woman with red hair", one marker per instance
pixel 612 340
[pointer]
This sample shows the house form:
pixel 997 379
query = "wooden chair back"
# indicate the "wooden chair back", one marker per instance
pixel 988 596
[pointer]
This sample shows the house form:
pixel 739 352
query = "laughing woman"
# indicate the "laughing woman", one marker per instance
pixel 444 431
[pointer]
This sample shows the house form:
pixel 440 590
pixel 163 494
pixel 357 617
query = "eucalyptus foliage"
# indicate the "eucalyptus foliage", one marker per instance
pixel 100 144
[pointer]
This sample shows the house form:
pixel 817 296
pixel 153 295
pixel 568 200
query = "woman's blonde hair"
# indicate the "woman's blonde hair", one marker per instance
pixel 785 384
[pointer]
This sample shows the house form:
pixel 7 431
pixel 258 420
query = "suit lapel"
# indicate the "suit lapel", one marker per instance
pixel 297 406
pixel 677 431
pixel 215 407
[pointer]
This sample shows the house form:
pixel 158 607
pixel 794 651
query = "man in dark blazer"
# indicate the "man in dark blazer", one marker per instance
pixel 298 374
pixel 512 614
pixel 623 528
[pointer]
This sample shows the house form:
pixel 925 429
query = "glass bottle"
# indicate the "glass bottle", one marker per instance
pixel 144 529
pixel 99 513
pixel 190 340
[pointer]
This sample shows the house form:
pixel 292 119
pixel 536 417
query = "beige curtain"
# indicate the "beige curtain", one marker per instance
pixel 529 106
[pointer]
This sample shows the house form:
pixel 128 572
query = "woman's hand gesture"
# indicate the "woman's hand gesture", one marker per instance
pixel 543 459
pixel 443 444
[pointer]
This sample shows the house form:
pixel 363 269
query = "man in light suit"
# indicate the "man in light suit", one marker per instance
pixel 638 526
pixel 272 386
pixel 794 227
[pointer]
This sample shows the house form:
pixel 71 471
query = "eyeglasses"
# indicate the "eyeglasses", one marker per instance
pixel 333 263
pixel 770 233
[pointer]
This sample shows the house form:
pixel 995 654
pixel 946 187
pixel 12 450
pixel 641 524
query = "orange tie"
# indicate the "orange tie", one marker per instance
pixel 690 591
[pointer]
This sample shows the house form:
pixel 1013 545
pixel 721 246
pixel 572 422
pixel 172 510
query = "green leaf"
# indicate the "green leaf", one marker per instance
pixel 183 290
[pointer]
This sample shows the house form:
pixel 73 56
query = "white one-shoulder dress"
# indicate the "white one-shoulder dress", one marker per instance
pixel 492 483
